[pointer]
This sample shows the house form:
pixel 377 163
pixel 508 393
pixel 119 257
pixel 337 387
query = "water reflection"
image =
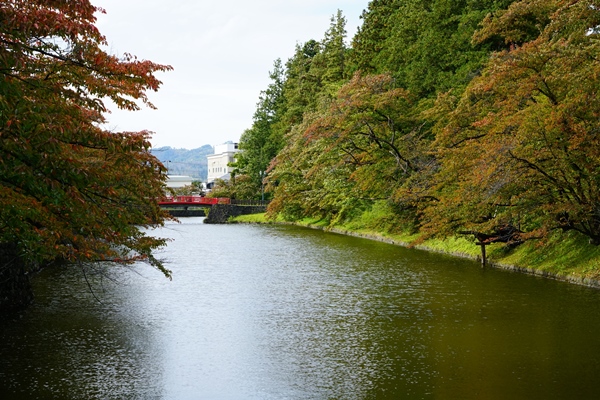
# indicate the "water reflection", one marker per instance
pixel 269 312
pixel 70 346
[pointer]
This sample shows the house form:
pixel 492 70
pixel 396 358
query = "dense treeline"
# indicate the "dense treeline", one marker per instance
pixel 451 116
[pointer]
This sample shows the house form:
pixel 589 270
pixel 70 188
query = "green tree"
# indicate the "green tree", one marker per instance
pixel 68 189
pixel 335 53
pixel 425 44
pixel 362 147
pixel 261 143
pixel 316 70
pixel 372 35
pixel 301 86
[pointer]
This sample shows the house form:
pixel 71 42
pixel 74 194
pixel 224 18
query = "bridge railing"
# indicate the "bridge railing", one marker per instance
pixel 190 200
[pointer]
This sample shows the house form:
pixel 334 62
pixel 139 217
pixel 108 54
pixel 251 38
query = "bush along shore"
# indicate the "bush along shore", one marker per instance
pixel 563 256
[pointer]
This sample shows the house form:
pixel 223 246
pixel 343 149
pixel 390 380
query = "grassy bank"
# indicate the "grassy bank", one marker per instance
pixel 565 256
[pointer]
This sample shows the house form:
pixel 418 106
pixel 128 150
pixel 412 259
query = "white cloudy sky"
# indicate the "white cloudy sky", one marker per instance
pixel 222 52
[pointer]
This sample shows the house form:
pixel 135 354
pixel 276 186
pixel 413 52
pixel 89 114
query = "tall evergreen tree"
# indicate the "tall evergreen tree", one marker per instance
pixel 425 44
pixel 261 143
pixel 335 51
pixel 316 70
pixel 372 35
pixel 301 85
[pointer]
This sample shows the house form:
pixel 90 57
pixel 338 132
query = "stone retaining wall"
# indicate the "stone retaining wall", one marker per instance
pixel 220 213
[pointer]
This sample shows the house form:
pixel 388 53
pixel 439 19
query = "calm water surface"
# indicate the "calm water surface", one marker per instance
pixel 272 312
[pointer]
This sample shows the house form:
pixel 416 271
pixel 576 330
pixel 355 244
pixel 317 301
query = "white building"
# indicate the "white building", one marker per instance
pixel 178 181
pixel 217 162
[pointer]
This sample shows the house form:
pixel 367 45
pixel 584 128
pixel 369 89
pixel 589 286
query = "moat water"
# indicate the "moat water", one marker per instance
pixel 280 312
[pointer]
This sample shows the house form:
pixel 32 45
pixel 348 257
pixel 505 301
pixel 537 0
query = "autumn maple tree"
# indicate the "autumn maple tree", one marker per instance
pixel 363 146
pixel 70 190
pixel 521 146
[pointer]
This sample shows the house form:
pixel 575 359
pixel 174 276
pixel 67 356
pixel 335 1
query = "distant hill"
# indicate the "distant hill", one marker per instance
pixel 185 162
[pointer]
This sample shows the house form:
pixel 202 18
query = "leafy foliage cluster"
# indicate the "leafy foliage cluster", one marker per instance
pixel 461 115
pixel 70 190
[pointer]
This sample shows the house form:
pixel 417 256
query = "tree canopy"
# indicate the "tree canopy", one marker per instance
pixel 70 190
pixel 459 116
pixel 521 145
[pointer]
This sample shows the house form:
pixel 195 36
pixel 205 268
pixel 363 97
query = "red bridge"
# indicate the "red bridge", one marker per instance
pixel 193 201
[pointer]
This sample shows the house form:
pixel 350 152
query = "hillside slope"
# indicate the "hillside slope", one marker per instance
pixel 185 162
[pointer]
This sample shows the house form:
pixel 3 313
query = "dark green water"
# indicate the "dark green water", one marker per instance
pixel 271 312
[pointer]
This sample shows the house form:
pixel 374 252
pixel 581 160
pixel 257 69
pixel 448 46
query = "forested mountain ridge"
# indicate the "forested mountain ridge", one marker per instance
pixel 185 162
pixel 452 116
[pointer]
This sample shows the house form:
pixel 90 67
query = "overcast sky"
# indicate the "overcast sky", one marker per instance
pixel 222 52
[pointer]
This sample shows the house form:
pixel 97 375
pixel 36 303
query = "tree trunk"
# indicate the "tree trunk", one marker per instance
pixel 15 288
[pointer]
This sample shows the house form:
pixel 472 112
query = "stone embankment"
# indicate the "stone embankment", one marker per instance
pixel 220 213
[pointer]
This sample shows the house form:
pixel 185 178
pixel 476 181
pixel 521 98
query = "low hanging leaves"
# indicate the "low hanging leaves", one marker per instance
pixel 68 189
